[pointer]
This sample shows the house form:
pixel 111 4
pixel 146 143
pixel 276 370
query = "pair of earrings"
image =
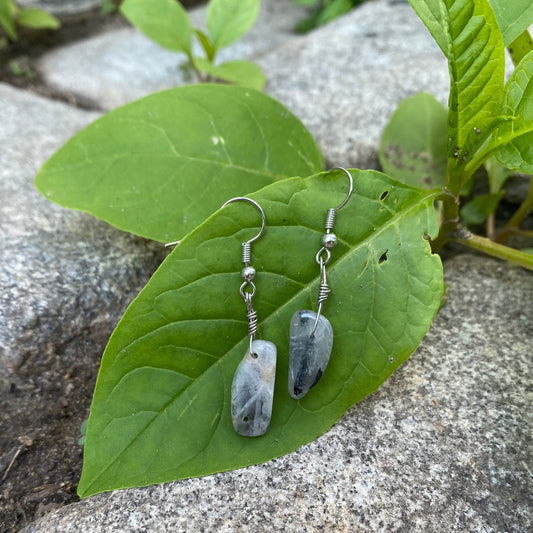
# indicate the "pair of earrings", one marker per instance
pixel 311 340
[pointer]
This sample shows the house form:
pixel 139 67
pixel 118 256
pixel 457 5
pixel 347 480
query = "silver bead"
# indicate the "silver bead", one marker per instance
pixel 248 273
pixel 329 240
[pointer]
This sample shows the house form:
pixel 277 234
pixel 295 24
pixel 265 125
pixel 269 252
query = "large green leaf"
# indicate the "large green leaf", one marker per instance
pixel 161 408
pixel 229 20
pixel 159 166
pixel 516 136
pixel 469 35
pixel 477 64
pixel 243 73
pixel 413 145
pixel 514 17
pixel 163 21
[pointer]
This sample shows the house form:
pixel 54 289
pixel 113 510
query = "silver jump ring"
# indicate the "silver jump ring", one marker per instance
pixel 247 294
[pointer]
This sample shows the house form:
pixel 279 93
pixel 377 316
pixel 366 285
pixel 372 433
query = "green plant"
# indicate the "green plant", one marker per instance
pixel 12 16
pixel 166 22
pixel 109 6
pixel 487 125
pixel 162 166
pixel 324 11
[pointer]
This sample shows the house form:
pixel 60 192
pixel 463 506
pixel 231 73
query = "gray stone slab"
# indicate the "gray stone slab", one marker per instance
pixel 119 66
pixel 65 276
pixel 444 445
pixel 63 7
pixel 345 79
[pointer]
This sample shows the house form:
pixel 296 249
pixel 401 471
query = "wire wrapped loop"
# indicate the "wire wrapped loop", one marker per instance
pixel 324 290
pixel 251 314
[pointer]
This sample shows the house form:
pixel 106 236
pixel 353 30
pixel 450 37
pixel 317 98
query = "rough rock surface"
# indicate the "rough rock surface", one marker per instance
pixel 62 7
pixel 344 80
pixel 353 73
pixel 65 279
pixel 444 445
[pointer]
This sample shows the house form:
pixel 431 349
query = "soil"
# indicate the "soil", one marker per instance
pixel 41 414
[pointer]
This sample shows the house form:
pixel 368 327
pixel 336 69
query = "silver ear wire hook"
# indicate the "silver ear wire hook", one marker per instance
pixel 248 272
pixel 255 204
pixel 350 190
pixel 329 240
pixel 236 199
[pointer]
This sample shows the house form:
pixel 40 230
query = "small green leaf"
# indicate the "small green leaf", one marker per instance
pixel 516 136
pixel 158 167
pixel 229 20
pixel 477 210
pixel 83 433
pixel 514 17
pixel 6 20
pixel 243 73
pixel 37 19
pixel 333 10
pixel 413 146
pixel 497 174
pixel 208 47
pixel 163 21
pixel 161 408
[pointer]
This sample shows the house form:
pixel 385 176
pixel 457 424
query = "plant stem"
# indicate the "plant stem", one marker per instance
pixel 199 76
pixel 494 249
pixel 521 232
pixel 450 214
pixel 490 226
pixel 523 210
pixel 519 216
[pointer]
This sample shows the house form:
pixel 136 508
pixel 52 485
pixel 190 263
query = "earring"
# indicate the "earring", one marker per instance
pixel 252 390
pixel 311 334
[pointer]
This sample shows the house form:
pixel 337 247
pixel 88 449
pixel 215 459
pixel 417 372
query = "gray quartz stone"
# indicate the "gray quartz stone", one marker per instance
pixel 252 390
pixel 308 356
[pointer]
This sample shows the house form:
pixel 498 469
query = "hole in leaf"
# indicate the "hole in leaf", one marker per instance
pixel 384 195
pixel 391 359
pixel 245 419
pixel 383 257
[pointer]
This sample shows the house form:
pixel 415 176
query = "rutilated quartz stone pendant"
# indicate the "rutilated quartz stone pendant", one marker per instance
pixel 311 334
pixel 252 390
pixel 308 354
